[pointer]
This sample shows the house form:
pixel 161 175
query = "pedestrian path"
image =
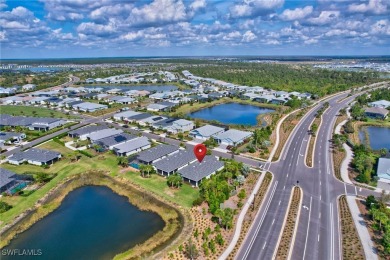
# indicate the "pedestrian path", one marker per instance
pixel 365 238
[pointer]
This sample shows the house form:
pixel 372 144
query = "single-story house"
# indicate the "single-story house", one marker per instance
pixel 151 120
pixel 126 114
pixel 33 123
pixel 205 132
pixel 10 181
pixel 264 98
pixel 137 117
pixel 12 137
pixel 197 171
pixel 29 87
pixel 132 146
pixel 157 153
pixel 83 132
pixel 7 91
pixel 380 103
pixel 232 137
pixel 112 141
pixel 180 126
pixel 156 107
pixel 34 156
pixel 125 100
pixel 174 162
pixel 376 112
pixel 383 173
pixel 95 136
pixel 89 107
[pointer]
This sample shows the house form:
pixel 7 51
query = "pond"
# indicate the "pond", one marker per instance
pixel 379 137
pixel 232 113
pixel 149 88
pixel 92 222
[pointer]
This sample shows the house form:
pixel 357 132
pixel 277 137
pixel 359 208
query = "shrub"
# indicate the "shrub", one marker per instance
pixel 4 207
pixel 85 153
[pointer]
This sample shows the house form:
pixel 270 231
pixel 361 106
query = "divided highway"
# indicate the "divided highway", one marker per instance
pixel 318 234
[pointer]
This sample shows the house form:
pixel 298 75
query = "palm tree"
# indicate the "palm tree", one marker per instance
pixel 122 161
pixel 146 169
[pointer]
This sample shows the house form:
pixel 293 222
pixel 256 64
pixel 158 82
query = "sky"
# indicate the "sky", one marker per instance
pixel 118 28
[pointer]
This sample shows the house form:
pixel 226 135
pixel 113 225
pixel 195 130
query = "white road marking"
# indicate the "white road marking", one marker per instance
pixel 320 215
pixel 284 187
pixel 261 222
pixel 345 188
pixel 273 222
pixel 279 202
pixel 287 175
pixel 320 183
pixel 307 231
pixel 264 244
pixel 355 191
pixel 318 238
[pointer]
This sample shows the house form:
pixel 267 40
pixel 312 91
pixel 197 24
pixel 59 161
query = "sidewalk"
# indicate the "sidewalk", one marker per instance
pixel 365 238
pixel 344 165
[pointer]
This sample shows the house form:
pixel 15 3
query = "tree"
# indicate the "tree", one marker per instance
pixel 225 217
pixel 191 250
pixel 146 169
pixel 122 161
pixel 41 177
pixel 174 180
pixel 4 207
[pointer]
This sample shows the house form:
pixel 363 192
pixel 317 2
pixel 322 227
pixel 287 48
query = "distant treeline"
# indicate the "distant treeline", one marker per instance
pixel 301 78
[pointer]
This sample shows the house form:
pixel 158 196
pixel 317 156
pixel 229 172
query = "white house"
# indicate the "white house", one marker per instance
pixel 180 126
pixel 232 137
pixel 29 87
pixel 205 132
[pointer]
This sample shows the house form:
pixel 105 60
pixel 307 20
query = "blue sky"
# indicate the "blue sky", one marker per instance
pixel 106 28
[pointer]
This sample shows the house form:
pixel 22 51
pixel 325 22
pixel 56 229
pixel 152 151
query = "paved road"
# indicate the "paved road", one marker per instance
pixel 318 230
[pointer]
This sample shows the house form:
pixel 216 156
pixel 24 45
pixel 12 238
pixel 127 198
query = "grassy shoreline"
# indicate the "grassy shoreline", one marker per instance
pixel 173 218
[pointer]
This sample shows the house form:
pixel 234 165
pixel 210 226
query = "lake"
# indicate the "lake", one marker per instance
pixel 92 222
pixel 232 113
pixel 379 137
pixel 150 88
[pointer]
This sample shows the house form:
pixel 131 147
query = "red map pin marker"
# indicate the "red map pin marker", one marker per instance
pixel 200 151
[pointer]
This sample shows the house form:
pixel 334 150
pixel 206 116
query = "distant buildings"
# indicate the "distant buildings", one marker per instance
pixel 380 103
pixel 29 87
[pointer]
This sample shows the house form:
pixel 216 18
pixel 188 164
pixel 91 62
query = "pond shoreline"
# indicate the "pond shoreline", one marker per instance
pixel 175 221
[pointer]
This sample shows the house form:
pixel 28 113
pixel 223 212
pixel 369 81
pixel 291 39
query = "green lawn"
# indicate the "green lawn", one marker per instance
pixel 63 168
pixel 105 162
pixel 29 111
pixel 158 185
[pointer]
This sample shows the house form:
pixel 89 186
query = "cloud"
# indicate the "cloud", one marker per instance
pixel 372 7
pixel 100 30
pixel 248 36
pixel 296 14
pixel 254 8
pixel 159 12
pixel 325 17
pixel 381 27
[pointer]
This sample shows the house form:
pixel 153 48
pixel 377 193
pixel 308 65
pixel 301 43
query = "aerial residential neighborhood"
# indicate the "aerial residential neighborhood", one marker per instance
pixel 174 130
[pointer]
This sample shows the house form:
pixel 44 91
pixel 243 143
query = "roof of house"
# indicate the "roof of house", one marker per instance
pixel 156 106
pixel 89 105
pixel 103 134
pixel 87 130
pixel 7 135
pixel 383 170
pixel 167 103
pixel 116 139
pixel 25 121
pixel 132 145
pixel 156 152
pixel 35 154
pixel 6 176
pixel 381 103
pixel 207 130
pixel 127 114
pixel 125 99
pixel 377 110
pixel 233 135
pixel 164 123
pixel 140 116
pixel 175 161
pixel 196 171
pixel 153 119
pixel 182 122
